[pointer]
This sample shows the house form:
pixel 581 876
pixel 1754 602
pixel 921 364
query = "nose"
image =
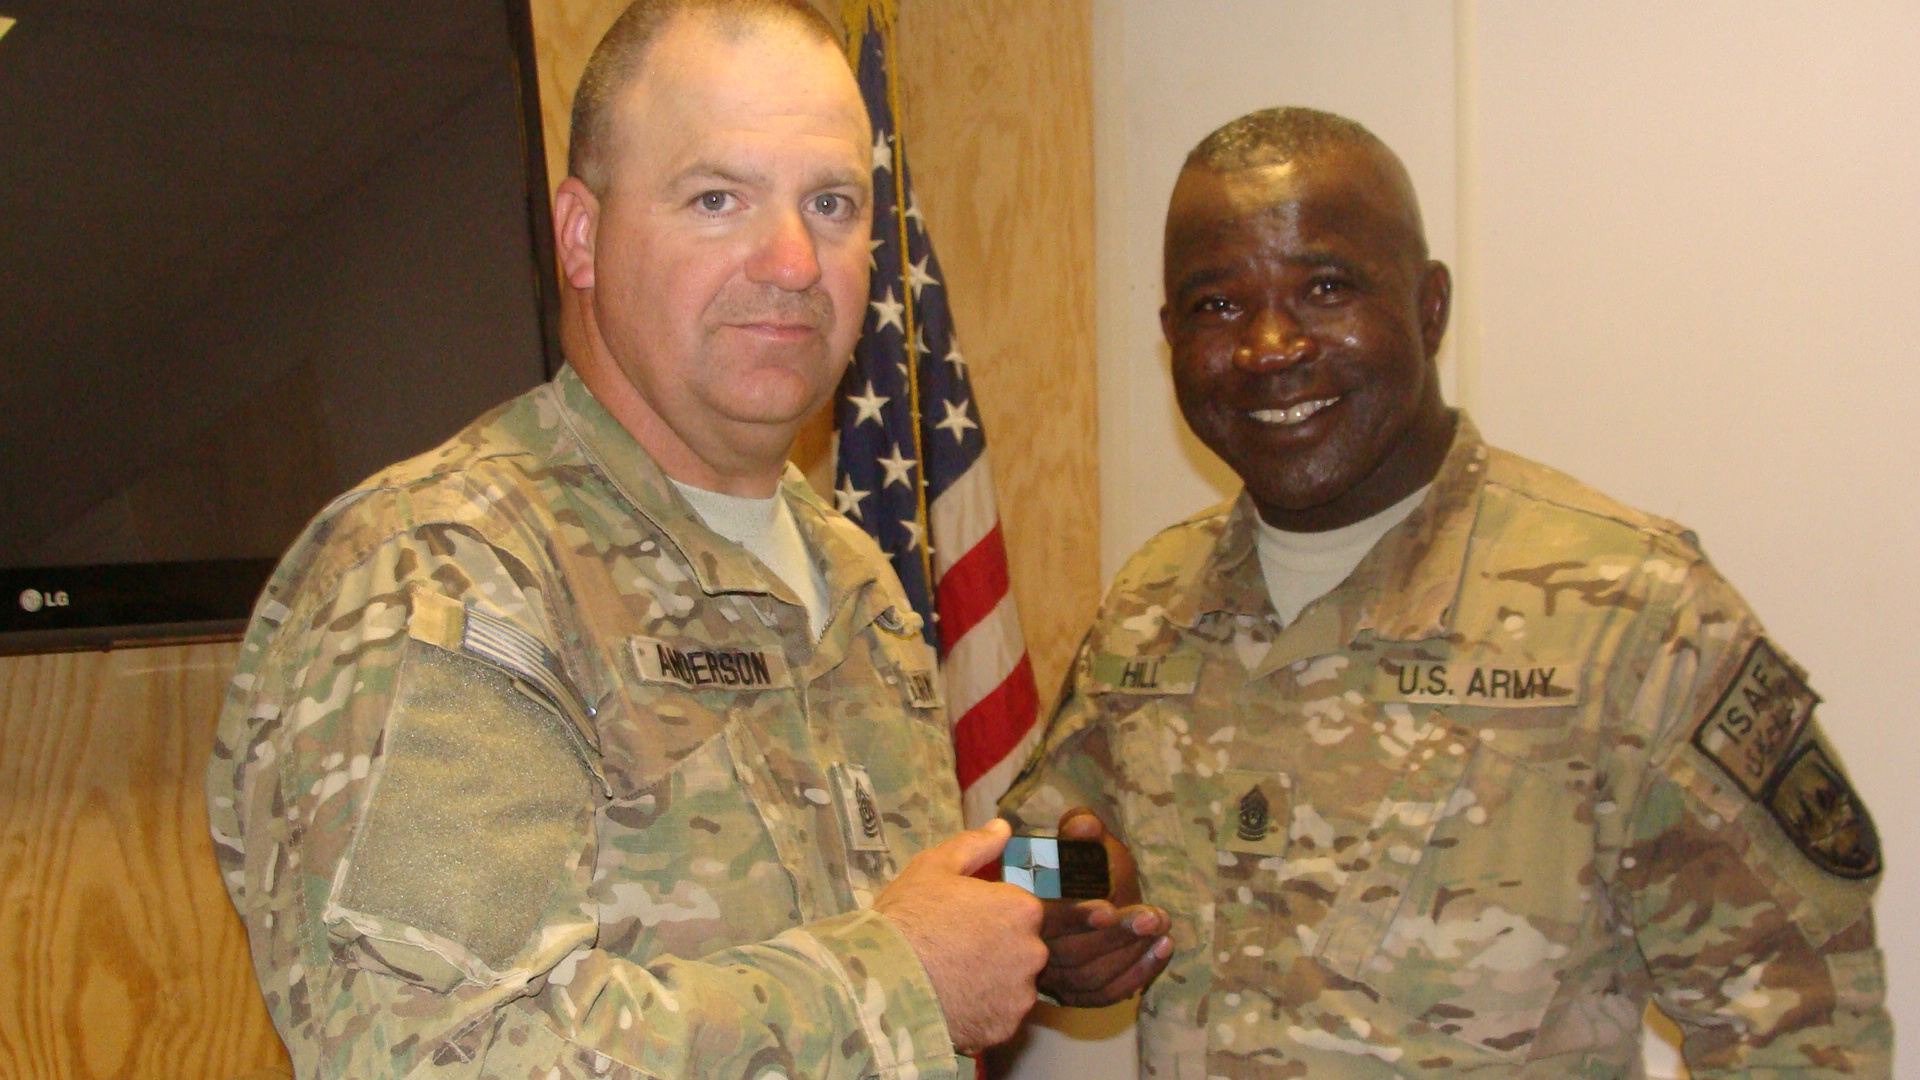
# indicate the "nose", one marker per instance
pixel 784 254
pixel 1274 341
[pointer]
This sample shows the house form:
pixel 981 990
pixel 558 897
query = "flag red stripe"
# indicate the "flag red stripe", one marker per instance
pixel 972 587
pixel 993 727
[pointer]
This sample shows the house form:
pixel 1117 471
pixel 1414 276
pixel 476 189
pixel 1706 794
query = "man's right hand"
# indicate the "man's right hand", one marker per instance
pixel 979 940
pixel 1103 950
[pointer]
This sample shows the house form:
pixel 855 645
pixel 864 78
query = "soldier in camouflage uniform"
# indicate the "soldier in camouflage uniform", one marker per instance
pixel 527 772
pixel 1532 764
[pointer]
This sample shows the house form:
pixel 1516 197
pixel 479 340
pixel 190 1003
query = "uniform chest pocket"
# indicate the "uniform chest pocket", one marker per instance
pixel 880 717
pixel 1317 861
pixel 687 865
pixel 1259 908
pixel 1163 812
pixel 1435 884
pixel 695 824
pixel 675 699
pixel 1497 906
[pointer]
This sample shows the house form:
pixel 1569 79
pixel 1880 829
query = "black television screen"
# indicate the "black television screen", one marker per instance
pixel 252 251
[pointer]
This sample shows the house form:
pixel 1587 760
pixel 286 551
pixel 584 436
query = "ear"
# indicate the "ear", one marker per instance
pixel 1436 304
pixel 576 226
pixel 1166 323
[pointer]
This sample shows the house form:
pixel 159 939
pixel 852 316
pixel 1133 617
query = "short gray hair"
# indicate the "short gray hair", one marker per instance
pixel 1273 135
pixel 618 59
pixel 1296 133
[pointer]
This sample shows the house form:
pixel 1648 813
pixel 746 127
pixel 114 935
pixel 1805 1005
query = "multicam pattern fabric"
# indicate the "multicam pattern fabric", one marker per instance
pixel 1460 818
pixel 526 774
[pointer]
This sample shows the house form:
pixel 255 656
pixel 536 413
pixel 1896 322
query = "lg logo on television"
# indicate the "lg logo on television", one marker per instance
pixel 33 600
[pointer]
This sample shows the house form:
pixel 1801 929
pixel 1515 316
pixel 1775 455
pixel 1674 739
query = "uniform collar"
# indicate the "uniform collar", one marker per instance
pixel 1228 582
pixel 1410 582
pixel 1404 590
pixel 857 592
pixel 718 565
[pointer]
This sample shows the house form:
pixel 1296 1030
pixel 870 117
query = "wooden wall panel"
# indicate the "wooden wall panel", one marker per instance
pixel 119 953
pixel 564 34
pixel 997 97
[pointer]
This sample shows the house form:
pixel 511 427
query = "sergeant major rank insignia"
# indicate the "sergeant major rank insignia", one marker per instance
pixel 859 810
pixel 1255 821
pixel 869 814
pixel 1254 811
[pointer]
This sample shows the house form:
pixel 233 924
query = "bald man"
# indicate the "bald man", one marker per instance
pixel 1444 763
pixel 591 744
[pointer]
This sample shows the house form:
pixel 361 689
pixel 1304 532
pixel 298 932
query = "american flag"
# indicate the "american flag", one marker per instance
pixel 912 470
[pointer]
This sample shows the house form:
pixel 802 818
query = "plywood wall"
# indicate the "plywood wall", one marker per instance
pixel 998 105
pixel 564 34
pixel 997 97
pixel 119 954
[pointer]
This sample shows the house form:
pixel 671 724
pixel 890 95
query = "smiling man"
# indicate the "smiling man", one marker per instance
pixel 1444 763
pixel 591 744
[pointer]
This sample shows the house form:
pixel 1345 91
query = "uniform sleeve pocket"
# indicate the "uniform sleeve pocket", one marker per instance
pixel 477 819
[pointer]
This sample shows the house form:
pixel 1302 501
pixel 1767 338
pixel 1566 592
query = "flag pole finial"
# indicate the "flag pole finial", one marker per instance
pixel 855 15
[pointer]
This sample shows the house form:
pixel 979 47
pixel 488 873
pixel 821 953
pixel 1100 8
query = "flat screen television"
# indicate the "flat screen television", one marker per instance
pixel 251 251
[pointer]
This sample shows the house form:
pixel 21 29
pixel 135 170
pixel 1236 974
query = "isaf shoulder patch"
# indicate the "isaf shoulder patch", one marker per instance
pixel 1818 810
pixel 1757 718
pixel 1759 735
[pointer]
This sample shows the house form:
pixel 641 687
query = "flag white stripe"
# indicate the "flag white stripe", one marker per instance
pixel 962 516
pixel 979 803
pixel 978 663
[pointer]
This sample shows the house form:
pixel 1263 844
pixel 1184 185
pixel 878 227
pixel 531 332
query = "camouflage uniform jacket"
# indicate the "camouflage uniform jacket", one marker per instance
pixel 1532 764
pixel 527 774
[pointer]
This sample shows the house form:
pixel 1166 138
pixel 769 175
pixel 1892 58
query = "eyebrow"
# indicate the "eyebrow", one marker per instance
pixel 1200 279
pixel 1330 260
pixel 712 170
pixel 701 171
pixel 1208 275
pixel 847 178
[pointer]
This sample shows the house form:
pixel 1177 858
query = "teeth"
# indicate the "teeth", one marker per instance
pixel 1295 415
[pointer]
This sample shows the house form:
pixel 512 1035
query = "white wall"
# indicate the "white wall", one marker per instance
pixel 1696 273
pixel 1687 249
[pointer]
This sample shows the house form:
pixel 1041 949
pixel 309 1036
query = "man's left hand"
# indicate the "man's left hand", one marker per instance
pixel 1102 951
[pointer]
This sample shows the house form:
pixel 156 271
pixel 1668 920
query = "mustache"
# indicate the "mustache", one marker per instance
pixel 771 304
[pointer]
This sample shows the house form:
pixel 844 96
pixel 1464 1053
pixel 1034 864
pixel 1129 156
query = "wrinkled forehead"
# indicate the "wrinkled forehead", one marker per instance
pixel 1348 195
pixel 766 78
